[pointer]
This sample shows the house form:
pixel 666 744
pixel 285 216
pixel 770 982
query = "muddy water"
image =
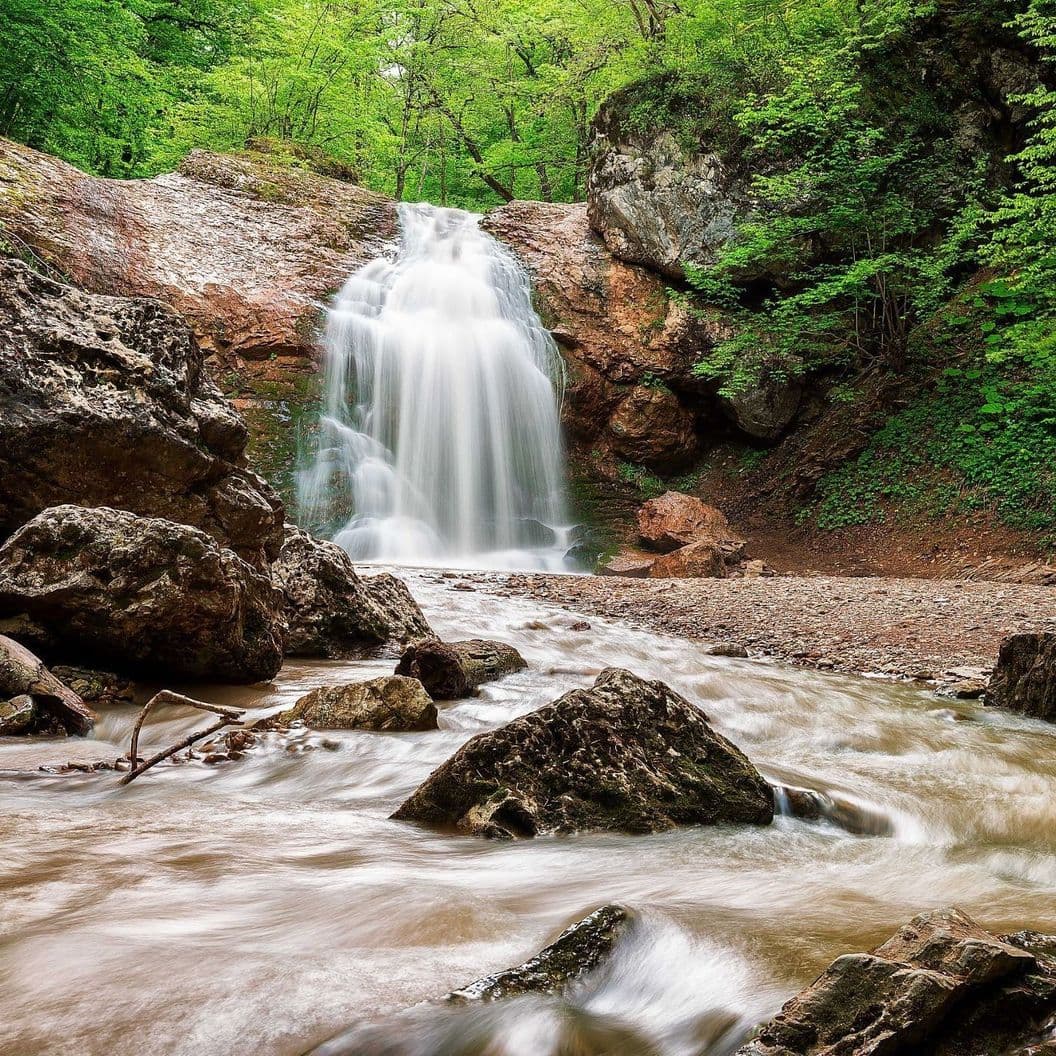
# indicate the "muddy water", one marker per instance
pixel 262 905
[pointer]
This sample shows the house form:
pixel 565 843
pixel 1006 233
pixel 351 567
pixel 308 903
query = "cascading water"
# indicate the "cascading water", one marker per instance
pixel 439 440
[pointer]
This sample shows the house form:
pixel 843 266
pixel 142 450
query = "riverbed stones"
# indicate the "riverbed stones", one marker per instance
pixel 108 403
pixel 330 610
pixel 33 699
pixel 141 595
pixel 389 703
pixel 579 949
pixel 453 670
pixel 1024 677
pixel 941 986
pixel 627 755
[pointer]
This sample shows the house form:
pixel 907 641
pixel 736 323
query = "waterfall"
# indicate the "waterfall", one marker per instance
pixel 439 439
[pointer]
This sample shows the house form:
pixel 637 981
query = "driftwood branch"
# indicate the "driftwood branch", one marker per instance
pixel 228 717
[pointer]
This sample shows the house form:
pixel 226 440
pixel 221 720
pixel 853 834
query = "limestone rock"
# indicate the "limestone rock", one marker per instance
pixel 656 200
pixel 107 402
pixel 941 981
pixel 765 408
pixel 141 594
pixel 1024 678
pixel 388 703
pixel 650 427
pixel 33 699
pixel 626 755
pixel 331 611
pixel 453 670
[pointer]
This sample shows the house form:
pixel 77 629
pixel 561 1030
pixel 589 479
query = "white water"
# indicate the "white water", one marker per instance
pixel 439 440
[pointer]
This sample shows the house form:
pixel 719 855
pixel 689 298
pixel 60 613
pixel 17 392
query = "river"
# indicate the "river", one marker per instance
pixel 261 905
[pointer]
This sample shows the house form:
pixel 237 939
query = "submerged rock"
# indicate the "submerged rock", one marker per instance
pixel 33 699
pixel 453 670
pixel 942 986
pixel 388 703
pixel 108 403
pixel 141 594
pixel 626 755
pixel 579 949
pixel 1024 678
pixel 330 610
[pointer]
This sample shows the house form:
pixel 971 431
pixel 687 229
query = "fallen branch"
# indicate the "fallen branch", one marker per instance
pixel 228 717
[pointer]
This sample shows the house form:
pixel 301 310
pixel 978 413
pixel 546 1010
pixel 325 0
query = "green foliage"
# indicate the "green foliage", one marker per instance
pixel 648 484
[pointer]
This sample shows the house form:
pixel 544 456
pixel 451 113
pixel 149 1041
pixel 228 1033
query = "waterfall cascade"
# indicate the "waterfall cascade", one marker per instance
pixel 439 440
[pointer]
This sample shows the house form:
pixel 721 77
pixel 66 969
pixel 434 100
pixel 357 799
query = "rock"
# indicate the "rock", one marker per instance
pixel 765 408
pixel 579 949
pixel 675 519
pixel 38 700
pixel 97 687
pixel 650 427
pixel 108 403
pixel 703 560
pixel 629 562
pixel 330 610
pixel 144 595
pixel 654 199
pixel 453 670
pixel 756 569
pixel 243 246
pixel 731 649
pixel 852 817
pixel 1024 678
pixel 388 703
pixel 966 689
pixel 626 755
pixel 940 982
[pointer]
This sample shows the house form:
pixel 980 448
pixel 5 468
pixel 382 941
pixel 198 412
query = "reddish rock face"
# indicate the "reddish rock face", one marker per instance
pixel 673 520
pixel 245 248
pixel 630 350
pixel 703 560
pixel 628 562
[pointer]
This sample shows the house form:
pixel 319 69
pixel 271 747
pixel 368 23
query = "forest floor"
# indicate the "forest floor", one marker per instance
pixel 948 631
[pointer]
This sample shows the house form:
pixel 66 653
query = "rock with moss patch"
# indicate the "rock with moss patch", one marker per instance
pixel 389 703
pixel 1024 678
pixel 626 755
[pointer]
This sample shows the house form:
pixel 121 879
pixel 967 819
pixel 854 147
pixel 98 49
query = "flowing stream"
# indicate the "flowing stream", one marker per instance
pixel 439 440
pixel 262 905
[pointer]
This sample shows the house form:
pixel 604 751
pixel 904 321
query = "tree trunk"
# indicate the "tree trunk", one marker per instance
pixel 452 670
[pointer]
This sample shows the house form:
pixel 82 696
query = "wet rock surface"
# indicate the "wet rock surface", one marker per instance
pixel 333 612
pixel 626 755
pixel 107 402
pixel 453 670
pixel 941 986
pixel 1024 677
pixel 33 699
pixel 388 704
pixel 579 949
pixel 143 595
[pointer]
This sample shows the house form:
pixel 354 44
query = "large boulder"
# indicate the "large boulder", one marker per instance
pixel 941 986
pixel 389 703
pixel 141 594
pixel 626 755
pixel 105 401
pixel 33 699
pixel 674 519
pixel 330 610
pixel 650 427
pixel 656 197
pixel 764 409
pixel 1024 678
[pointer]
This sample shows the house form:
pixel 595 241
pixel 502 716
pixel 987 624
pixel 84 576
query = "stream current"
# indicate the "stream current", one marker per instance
pixel 262 905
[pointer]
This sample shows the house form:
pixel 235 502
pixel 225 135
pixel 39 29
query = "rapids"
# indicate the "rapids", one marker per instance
pixel 439 440
pixel 265 904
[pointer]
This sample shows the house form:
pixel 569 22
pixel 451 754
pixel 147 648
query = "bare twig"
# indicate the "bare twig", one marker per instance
pixel 228 717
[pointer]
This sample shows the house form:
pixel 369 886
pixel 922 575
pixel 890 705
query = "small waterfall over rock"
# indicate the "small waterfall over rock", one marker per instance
pixel 439 440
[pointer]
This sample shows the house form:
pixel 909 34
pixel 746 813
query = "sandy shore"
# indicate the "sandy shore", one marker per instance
pixel 942 630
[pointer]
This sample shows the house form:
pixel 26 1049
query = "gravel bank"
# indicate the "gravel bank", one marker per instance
pixel 943 630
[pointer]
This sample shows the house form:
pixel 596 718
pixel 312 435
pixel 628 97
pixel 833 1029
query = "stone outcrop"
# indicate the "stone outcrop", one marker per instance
pixel 942 986
pixel 628 347
pixel 626 755
pixel 390 703
pixel 1024 678
pixel 453 670
pixel 330 610
pixel 142 595
pixel 246 248
pixel 657 198
pixel 106 401
pixel 33 699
